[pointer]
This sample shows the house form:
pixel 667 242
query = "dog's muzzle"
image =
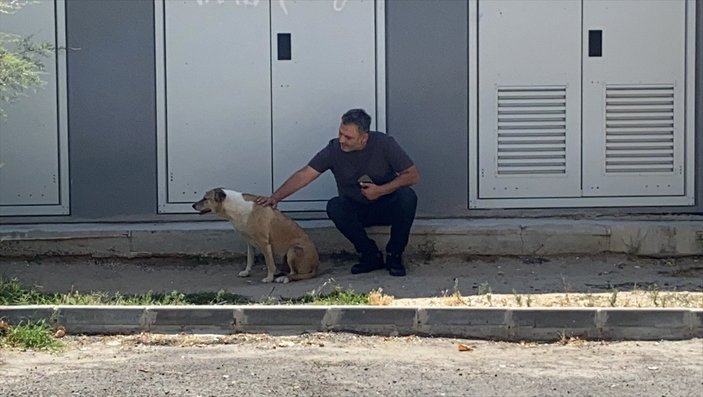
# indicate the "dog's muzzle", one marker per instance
pixel 202 211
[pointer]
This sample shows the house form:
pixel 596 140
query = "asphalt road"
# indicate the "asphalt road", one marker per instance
pixel 351 365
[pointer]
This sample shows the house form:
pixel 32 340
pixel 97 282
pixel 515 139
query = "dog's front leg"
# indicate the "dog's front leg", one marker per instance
pixel 250 261
pixel 270 263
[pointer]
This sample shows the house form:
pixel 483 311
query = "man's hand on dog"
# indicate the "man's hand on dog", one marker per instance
pixel 267 201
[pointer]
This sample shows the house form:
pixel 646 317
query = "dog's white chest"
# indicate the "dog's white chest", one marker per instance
pixel 238 210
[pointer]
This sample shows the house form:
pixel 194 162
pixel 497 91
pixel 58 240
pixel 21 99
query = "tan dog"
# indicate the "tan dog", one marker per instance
pixel 266 228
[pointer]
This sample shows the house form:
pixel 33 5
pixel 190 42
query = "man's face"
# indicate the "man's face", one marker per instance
pixel 351 138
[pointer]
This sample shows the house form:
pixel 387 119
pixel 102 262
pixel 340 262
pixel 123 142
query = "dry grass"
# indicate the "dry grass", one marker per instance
pixel 637 298
pixel 183 340
pixel 195 340
pixel 378 298
pixel 450 300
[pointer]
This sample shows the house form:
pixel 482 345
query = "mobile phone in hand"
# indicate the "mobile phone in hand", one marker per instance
pixel 364 179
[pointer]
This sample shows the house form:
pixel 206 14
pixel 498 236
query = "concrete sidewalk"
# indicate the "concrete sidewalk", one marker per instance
pixel 662 236
pixel 189 252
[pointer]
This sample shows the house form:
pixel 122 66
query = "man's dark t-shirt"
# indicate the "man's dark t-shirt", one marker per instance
pixel 381 159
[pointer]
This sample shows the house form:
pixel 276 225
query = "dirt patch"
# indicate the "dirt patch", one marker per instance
pixel 322 364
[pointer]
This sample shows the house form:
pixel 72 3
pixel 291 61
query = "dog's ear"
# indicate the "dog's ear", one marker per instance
pixel 220 195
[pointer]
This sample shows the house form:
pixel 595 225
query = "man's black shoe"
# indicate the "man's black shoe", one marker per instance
pixel 369 263
pixel 394 263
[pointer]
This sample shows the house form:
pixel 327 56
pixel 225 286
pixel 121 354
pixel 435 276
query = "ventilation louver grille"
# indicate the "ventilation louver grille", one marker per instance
pixel 531 130
pixel 639 129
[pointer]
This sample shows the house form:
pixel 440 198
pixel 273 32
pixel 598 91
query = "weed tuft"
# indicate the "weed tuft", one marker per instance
pixel 337 297
pixel 378 298
pixel 613 298
pixel 29 335
pixel 518 298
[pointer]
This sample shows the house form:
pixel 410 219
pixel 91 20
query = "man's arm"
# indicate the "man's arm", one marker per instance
pixel 408 177
pixel 295 182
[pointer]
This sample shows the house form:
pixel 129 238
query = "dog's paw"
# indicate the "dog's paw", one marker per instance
pixel 282 279
pixel 244 273
pixel 267 279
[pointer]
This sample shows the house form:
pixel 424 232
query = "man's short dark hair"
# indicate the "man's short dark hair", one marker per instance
pixel 358 117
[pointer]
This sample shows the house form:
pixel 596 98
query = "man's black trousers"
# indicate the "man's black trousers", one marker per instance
pixel 396 209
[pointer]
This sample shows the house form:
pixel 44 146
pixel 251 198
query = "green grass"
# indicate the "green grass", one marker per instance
pixel 13 293
pixel 337 297
pixel 36 336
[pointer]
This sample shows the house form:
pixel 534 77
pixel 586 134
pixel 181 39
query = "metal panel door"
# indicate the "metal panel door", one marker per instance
pixel 331 69
pixel 529 98
pixel 217 120
pixel 33 140
pixel 634 89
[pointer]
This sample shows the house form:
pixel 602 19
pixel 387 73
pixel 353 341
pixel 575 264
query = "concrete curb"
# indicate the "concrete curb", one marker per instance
pixel 505 324
pixel 429 237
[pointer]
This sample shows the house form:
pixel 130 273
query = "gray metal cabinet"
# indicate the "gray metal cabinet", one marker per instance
pixel 33 136
pixel 633 118
pixel 249 91
pixel 215 128
pixel 530 94
pixel 583 102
